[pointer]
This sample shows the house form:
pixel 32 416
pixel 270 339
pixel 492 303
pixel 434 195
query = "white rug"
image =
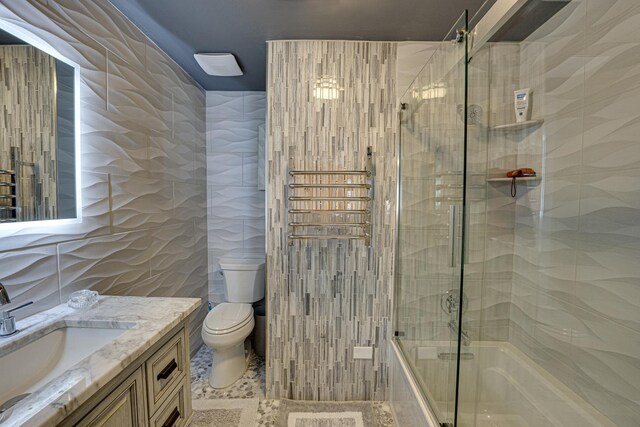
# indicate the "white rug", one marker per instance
pixel 296 413
pixel 325 419
pixel 224 412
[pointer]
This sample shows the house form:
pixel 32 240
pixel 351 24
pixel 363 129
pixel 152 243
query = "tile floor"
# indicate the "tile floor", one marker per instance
pixel 252 385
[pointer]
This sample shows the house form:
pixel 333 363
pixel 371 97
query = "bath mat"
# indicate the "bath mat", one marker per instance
pixel 224 412
pixel 301 413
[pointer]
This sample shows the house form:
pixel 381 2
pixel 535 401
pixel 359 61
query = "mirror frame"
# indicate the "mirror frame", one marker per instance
pixel 37 42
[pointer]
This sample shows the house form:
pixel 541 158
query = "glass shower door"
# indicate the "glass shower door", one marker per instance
pixel 429 264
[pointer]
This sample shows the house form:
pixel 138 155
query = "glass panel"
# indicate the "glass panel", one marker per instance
pixel 430 222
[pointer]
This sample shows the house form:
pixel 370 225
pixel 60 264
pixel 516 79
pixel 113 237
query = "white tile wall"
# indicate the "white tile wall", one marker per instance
pixel 236 206
pixel 575 295
pixel 142 134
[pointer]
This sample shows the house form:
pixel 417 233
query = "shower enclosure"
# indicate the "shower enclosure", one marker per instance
pixel 518 299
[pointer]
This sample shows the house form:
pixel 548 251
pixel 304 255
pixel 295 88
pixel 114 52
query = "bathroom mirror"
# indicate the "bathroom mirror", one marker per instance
pixel 38 157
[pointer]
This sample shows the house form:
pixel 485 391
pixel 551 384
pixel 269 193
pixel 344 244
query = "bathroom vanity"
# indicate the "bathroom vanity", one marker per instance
pixel 123 362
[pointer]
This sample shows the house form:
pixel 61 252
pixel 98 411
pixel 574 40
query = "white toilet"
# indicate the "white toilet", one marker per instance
pixel 228 325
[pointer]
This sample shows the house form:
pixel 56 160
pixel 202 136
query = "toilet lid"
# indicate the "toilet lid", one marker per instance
pixel 228 317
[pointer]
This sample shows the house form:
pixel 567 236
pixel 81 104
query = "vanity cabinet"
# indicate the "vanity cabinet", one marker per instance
pixel 154 391
pixel 164 370
pixel 124 407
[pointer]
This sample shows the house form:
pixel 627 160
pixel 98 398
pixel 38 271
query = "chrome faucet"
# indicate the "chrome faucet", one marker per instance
pixel 466 340
pixel 7 321
pixel 449 301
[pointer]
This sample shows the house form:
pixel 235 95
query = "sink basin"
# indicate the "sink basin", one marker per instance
pixel 30 367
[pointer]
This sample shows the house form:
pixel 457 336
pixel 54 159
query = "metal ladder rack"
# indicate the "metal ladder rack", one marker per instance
pixel 8 196
pixel 330 204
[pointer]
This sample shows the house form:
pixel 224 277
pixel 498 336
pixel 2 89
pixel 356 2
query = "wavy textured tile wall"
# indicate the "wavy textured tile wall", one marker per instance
pixel 143 229
pixel 576 294
pixel 235 202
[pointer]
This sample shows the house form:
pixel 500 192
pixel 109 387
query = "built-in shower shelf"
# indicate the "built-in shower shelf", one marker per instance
pixel 512 127
pixel 529 180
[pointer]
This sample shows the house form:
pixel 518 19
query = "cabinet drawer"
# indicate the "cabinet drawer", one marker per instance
pixel 165 369
pixel 175 411
pixel 124 407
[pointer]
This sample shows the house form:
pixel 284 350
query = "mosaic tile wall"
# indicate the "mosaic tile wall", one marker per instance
pixel 28 122
pixel 235 203
pixel 325 297
pixel 143 229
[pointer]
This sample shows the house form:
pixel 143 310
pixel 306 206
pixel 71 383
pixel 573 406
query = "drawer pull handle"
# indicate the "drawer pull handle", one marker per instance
pixel 168 370
pixel 175 415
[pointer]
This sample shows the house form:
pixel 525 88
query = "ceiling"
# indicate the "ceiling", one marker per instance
pixel 182 28
pixel 7 38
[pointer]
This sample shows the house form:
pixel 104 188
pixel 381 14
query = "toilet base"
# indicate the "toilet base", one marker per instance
pixel 228 367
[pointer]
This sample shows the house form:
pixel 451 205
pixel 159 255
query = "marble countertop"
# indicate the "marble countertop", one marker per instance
pixel 146 321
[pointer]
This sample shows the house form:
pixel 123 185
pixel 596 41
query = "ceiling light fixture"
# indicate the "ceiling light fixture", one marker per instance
pixel 218 64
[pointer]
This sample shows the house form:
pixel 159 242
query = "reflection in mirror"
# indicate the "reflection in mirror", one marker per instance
pixel 37 134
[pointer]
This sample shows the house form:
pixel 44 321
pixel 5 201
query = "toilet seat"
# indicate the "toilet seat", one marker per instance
pixel 227 318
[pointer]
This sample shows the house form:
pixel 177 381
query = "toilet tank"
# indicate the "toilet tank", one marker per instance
pixel 243 278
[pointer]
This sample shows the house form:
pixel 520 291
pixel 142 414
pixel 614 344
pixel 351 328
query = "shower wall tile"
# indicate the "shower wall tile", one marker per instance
pixel 142 130
pixel 611 69
pixel 225 169
pixel 611 127
pixel 574 298
pixel 564 143
pixel 505 67
pixel 236 209
pixel 607 357
pixel 609 246
pixel 601 14
pixel 324 297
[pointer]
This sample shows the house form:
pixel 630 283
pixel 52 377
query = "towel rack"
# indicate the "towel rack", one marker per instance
pixel 8 196
pixel 330 204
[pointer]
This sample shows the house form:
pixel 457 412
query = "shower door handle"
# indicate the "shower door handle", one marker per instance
pixel 453 219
